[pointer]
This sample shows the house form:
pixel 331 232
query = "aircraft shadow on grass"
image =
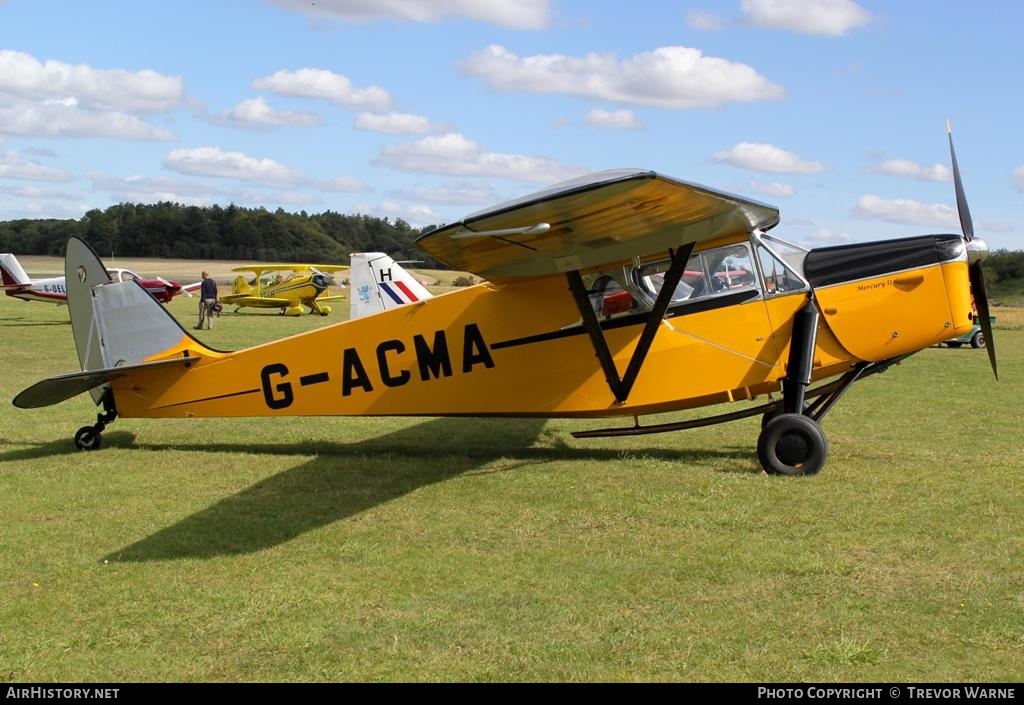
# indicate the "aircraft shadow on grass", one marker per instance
pixel 20 322
pixel 345 479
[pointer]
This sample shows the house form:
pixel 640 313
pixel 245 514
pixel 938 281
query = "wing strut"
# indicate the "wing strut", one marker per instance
pixel 621 386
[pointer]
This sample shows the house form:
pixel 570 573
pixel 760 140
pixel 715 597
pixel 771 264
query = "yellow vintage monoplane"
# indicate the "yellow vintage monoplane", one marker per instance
pixel 288 287
pixel 621 294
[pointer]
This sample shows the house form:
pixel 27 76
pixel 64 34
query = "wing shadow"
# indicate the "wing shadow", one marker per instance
pixel 344 480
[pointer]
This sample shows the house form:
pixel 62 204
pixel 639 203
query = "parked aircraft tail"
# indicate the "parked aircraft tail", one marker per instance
pixel 14 275
pixel 380 284
pixel 117 326
pixel 241 286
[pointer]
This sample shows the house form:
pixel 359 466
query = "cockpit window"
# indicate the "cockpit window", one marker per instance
pixel 722 270
pixel 778 278
pixel 608 297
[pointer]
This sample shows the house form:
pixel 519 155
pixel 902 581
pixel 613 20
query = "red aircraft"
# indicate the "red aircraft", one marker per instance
pixel 18 284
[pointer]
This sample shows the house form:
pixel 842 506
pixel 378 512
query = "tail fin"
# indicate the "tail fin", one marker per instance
pixel 380 284
pixel 13 274
pixel 116 325
pixel 241 286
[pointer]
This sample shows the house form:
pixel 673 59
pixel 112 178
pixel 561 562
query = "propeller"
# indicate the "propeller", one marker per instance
pixel 977 250
pixel 321 280
pixel 174 286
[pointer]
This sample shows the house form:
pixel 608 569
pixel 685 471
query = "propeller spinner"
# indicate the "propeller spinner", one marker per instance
pixel 977 250
pixel 321 280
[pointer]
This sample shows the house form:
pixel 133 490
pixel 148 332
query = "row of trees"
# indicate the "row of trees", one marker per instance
pixel 175 231
pixel 1004 266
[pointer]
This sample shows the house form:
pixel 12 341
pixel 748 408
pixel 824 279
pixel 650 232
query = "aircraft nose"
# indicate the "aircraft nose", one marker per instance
pixel 977 250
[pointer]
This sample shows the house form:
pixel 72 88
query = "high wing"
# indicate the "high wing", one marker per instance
pixel 601 219
pixel 258 269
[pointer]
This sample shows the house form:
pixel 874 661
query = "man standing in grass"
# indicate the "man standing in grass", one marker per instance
pixel 207 300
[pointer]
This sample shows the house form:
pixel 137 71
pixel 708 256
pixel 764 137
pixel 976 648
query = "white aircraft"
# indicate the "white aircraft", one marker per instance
pixel 380 284
pixel 18 284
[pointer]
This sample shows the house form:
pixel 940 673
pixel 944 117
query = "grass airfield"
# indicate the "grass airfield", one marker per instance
pixel 334 549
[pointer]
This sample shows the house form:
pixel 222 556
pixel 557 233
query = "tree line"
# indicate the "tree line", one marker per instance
pixel 175 231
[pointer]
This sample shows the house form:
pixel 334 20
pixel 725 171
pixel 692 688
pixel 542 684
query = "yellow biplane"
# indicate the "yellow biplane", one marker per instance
pixel 621 294
pixel 288 287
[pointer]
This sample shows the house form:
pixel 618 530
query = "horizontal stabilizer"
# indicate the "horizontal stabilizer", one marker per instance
pixel 62 387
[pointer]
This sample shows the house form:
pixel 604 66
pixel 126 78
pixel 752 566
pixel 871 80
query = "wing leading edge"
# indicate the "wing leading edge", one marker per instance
pixel 596 220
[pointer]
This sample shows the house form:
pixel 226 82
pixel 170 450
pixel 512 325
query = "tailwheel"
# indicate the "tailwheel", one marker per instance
pixel 792 444
pixel 88 438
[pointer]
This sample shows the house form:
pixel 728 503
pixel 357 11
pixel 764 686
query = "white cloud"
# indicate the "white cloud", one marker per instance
pixel 905 167
pixel 274 199
pixel 65 119
pixel 38 193
pixel 774 188
pixel 668 77
pixel 395 123
pixel 515 14
pixel 1018 178
pixel 906 212
pixel 824 236
pixel 343 184
pixel 767 158
pixel 12 166
pixel 325 85
pixel 40 151
pixel 455 155
pixel 417 216
pixel 701 19
pixel 451 193
pixel 212 161
pixel 995 226
pixel 152 189
pixel 24 76
pixel 823 17
pixel 49 209
pixel 256 113
pixel 614 119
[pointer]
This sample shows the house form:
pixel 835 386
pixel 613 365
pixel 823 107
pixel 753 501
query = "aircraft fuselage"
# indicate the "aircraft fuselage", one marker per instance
pixel 519 349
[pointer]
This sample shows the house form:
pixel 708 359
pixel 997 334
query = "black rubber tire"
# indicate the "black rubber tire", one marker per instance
pixel 792 444
pixel 978 340
pixel 769 415
pixel 88 438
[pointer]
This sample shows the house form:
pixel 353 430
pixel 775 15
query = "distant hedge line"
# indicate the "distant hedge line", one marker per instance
pixel 175 231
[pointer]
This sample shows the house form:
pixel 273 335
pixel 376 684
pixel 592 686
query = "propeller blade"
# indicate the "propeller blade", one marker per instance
pixel 981 304
pixel 966 224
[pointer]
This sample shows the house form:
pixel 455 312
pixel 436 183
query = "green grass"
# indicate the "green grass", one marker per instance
pixel 461 549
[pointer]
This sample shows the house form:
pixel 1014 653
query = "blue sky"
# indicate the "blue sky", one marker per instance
pixel 426 110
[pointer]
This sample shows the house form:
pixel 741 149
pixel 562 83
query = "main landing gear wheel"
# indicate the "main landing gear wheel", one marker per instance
pixel 88 438
pixel 792 444
pixel 770 415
